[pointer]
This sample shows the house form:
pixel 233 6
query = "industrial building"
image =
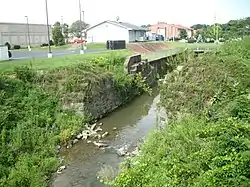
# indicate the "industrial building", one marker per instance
pixel 17 34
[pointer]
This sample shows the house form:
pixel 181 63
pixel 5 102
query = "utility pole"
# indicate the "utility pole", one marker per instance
pixel 217 33
pixel 173 32
pixel 47 16
pixel 80 10
pixel 28 31
pixel 62 23
pixel 83 20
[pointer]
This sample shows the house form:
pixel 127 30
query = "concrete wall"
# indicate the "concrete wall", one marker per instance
pixel 17 34
pixel 104 97
pixel 154 69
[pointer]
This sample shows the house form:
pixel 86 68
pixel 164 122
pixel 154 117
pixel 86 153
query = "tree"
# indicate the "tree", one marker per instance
pixel 57 34
pixel 76 27
pixel 65 30
pixel 146 26
pixel 212 31
pixel 183 34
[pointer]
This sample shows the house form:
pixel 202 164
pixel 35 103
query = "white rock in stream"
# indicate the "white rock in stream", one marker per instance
pixel 100 145
pixel 122 151
pixel 79 136
pixel 105 134
pixel 135 152
pixel 75 141
pixel 61 169
pixel 92 128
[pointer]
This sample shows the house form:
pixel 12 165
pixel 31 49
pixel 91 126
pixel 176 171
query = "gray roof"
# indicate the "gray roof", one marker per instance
pixel 130 26
pixel 122 24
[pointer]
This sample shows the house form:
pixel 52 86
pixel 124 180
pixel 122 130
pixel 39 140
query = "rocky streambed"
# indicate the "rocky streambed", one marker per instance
pixel 101 147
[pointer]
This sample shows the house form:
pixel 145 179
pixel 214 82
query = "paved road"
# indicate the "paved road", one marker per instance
pixel 44 53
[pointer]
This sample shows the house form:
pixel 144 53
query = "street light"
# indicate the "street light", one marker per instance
pixel 83 20
pixel 28 30
pixel 80 10
pixel 47 16
pixel 62 23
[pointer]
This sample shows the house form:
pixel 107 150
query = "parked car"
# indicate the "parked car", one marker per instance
pixel 77 41
pixel 159 38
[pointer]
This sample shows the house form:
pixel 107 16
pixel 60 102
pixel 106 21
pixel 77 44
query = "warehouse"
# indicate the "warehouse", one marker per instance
pixel 17 34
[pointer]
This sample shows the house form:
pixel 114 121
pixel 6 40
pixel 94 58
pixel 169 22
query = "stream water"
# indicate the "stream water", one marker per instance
pixel 132 122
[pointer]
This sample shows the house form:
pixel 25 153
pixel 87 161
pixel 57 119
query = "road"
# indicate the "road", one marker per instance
pixel 43 53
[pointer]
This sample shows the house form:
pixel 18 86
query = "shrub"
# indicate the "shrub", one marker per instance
pixel 192 152
pixel 17 47
pixel 31 123
pixel 51 42
pixel 44 45
pixel 190 40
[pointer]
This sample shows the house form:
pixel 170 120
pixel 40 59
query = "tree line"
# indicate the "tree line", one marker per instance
pixel 233 29
pixel 61 33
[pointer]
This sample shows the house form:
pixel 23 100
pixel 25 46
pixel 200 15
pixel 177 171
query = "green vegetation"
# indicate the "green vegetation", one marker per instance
pixel 57 34
pixel 96 46
pixel 33 117
pixel 193 45
pixel 233 29
pixel 183 34
pixel 45 63
pixel 77 27
pixel 206 142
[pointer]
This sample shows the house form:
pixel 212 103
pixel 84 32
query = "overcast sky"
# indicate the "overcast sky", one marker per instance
pixel 185 12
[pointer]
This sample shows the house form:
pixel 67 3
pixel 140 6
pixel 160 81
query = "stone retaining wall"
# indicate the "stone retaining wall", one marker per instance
pixel 154 69
pixel 105 98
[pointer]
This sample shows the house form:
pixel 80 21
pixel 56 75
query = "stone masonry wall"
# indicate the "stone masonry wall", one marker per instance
pixel 105 97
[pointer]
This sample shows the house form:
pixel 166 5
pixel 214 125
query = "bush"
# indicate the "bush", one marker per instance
pixel 51 42
pixel 17 47
pixel 191 40
pixel 192 152
pixel 31 124
pixel 44 45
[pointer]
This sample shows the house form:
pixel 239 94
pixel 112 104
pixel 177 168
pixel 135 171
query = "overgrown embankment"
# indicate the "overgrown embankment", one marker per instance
pixel 43 108
pixel 207 140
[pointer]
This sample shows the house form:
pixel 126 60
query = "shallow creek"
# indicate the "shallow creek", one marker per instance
pixel 132 122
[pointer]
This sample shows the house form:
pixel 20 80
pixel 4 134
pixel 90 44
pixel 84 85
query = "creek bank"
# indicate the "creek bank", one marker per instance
pixel 95 98
pixel 32 119
pixel 207 135
pixel 105 96
pixel 84 161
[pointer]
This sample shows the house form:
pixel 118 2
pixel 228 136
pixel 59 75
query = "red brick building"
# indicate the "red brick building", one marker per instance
pixel 169 30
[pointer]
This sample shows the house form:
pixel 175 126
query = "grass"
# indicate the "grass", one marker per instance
pixel 67 46
pixel 46 63
pixel 96 46
pixel 159 54
pixel 194 45
pixel 37 48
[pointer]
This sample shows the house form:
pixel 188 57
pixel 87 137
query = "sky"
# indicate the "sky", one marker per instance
pixel 138 12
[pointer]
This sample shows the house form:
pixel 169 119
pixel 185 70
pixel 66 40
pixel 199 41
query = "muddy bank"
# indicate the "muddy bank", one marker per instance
pixel 132 122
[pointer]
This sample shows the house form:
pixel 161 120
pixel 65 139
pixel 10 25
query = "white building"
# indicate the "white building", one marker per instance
pixel 112 30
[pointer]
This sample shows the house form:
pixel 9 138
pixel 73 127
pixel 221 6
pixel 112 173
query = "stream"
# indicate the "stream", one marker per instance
pixel 132 123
